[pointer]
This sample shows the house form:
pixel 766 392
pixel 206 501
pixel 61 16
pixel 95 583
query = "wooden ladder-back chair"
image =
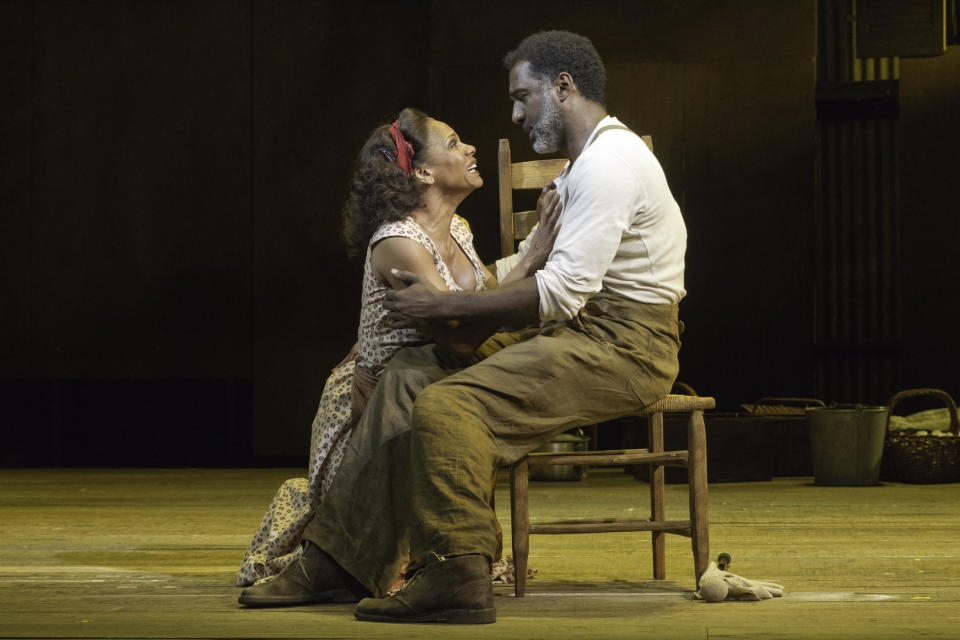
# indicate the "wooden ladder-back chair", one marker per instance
pixel 515 226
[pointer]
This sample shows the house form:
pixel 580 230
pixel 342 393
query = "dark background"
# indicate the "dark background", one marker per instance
pixel 174 290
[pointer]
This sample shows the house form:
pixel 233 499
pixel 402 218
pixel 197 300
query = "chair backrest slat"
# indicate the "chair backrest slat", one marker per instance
pixel 535 173
pixel 513 176
pixel 523 222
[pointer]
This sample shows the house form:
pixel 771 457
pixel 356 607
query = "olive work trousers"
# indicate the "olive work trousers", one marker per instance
pixel 417 472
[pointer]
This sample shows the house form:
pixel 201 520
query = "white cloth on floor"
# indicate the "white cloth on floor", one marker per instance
pixel 717 585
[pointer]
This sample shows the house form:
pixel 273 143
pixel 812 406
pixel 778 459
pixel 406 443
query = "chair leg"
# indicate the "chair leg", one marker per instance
pixel 493 507
pixel 519 524
pixel 697 482
pixel 655 426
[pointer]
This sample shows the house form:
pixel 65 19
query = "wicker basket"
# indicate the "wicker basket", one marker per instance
pixel 922 459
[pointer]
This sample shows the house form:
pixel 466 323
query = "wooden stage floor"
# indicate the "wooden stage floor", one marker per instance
pixel 152 554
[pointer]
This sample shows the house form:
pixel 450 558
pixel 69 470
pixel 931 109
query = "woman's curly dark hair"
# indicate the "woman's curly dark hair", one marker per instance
pixel 379 192
pixel 552 52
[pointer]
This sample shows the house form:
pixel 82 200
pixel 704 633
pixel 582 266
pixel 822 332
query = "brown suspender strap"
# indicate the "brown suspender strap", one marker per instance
pixel 612 126
pixel 602 129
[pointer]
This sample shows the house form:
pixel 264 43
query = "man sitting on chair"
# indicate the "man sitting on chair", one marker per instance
pixel 422 456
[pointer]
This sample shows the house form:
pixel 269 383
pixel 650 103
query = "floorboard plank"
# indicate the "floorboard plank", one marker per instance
pixel 152 554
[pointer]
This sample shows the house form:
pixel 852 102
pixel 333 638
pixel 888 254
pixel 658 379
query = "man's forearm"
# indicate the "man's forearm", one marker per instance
pixel 509 304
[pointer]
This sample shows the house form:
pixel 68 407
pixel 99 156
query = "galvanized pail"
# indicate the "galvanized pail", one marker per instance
pixel 846 444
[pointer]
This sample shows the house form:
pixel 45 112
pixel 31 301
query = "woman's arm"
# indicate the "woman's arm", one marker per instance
pixel 391 253
pixel 458 339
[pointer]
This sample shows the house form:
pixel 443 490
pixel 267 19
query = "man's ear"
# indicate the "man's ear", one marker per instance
pixel 564 85
pixel 424 175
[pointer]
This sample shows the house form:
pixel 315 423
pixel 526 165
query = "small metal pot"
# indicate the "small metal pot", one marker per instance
pixel 563 443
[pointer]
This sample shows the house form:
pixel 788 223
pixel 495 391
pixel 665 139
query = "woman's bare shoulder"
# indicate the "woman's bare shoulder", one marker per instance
pixel 405 254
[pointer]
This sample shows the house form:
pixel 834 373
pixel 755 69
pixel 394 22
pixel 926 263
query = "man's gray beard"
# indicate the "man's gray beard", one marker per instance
pixel 548 130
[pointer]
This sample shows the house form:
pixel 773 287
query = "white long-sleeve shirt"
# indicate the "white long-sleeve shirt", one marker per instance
pixel 621 229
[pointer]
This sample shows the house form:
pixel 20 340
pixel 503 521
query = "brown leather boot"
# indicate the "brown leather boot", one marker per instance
pixel 312 578
pixel 457 590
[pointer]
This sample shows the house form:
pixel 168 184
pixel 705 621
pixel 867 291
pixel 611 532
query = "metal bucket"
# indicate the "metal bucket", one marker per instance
pixel 563 443
pixel 846 444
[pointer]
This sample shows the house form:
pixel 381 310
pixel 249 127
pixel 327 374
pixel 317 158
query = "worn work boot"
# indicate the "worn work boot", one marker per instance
pixel 313 577
pixel 457 590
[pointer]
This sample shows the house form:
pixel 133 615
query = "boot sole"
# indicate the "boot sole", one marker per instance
pixel 450 616
pixel 319 597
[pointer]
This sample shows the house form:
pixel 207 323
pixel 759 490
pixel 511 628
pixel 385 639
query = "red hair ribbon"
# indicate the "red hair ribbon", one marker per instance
pixel 404 149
